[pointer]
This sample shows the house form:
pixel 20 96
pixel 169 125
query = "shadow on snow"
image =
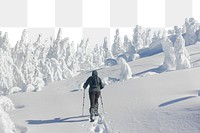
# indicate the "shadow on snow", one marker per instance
pixel 175 101
pixel 59 120
pixel 159 69
pixel 75 90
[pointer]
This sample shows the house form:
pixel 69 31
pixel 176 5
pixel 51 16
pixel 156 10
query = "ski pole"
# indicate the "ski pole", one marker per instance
pixel 83 102
pixel 102 103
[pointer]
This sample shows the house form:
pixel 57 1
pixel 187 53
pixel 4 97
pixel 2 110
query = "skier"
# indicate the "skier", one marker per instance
pixel 94 92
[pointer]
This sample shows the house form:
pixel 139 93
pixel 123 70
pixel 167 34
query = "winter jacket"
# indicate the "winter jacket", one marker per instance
pixel 94 81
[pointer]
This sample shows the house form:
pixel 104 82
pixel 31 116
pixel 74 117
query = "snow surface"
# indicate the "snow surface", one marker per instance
pixel 153 101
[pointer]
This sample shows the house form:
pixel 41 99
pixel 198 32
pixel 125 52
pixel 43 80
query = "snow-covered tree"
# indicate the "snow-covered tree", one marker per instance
pixel 169 56
pixel 106 47
pixel 125 70
pixel 75 67
pixel 4 44
pixel 28 66
pixel 117 47
pixel 137 39
pixel 88 63
pixel 191 27
pixel 127 43
pixel 80 52
pixel 66 72
pixel 85 48
pixel 146 37
pixel 182 56
pixel 129 48
pixel 156 36
pixel 56 70
pixel 6 65
pixel 63 46
pixel 6 124
pixel 101 55
pixel 198 34
pixel 46 71
pixel 6 104
pixel 96 56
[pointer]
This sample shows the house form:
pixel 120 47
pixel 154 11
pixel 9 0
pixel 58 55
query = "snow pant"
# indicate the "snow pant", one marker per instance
pixel 94 96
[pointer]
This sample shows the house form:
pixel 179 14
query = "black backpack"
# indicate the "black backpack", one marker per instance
pixel 95 82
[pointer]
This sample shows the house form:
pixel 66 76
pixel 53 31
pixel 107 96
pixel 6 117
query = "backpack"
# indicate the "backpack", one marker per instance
pixel 95 84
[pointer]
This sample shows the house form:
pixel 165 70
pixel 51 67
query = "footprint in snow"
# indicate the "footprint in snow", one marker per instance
pixel 99 125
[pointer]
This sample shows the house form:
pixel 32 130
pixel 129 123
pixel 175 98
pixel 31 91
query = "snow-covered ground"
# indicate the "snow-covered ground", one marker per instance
pixel 153 101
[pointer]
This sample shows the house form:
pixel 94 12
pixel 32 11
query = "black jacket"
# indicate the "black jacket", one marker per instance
pixel 94 81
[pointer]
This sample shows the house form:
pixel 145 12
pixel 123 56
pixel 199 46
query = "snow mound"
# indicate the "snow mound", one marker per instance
pixel 153 49
pixel 39 83
pixel 30 88
pixel 109 80
pixel 14 90
pixel 110 62
pixel 135 56
pixel 148 74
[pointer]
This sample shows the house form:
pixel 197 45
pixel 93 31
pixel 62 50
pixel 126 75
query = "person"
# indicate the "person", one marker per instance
pixel 96 85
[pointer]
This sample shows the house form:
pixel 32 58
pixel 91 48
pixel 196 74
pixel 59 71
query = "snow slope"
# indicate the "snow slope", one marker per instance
pixel 153 101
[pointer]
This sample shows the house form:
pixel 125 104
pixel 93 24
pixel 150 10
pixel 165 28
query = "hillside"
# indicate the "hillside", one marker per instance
pixel 152 101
